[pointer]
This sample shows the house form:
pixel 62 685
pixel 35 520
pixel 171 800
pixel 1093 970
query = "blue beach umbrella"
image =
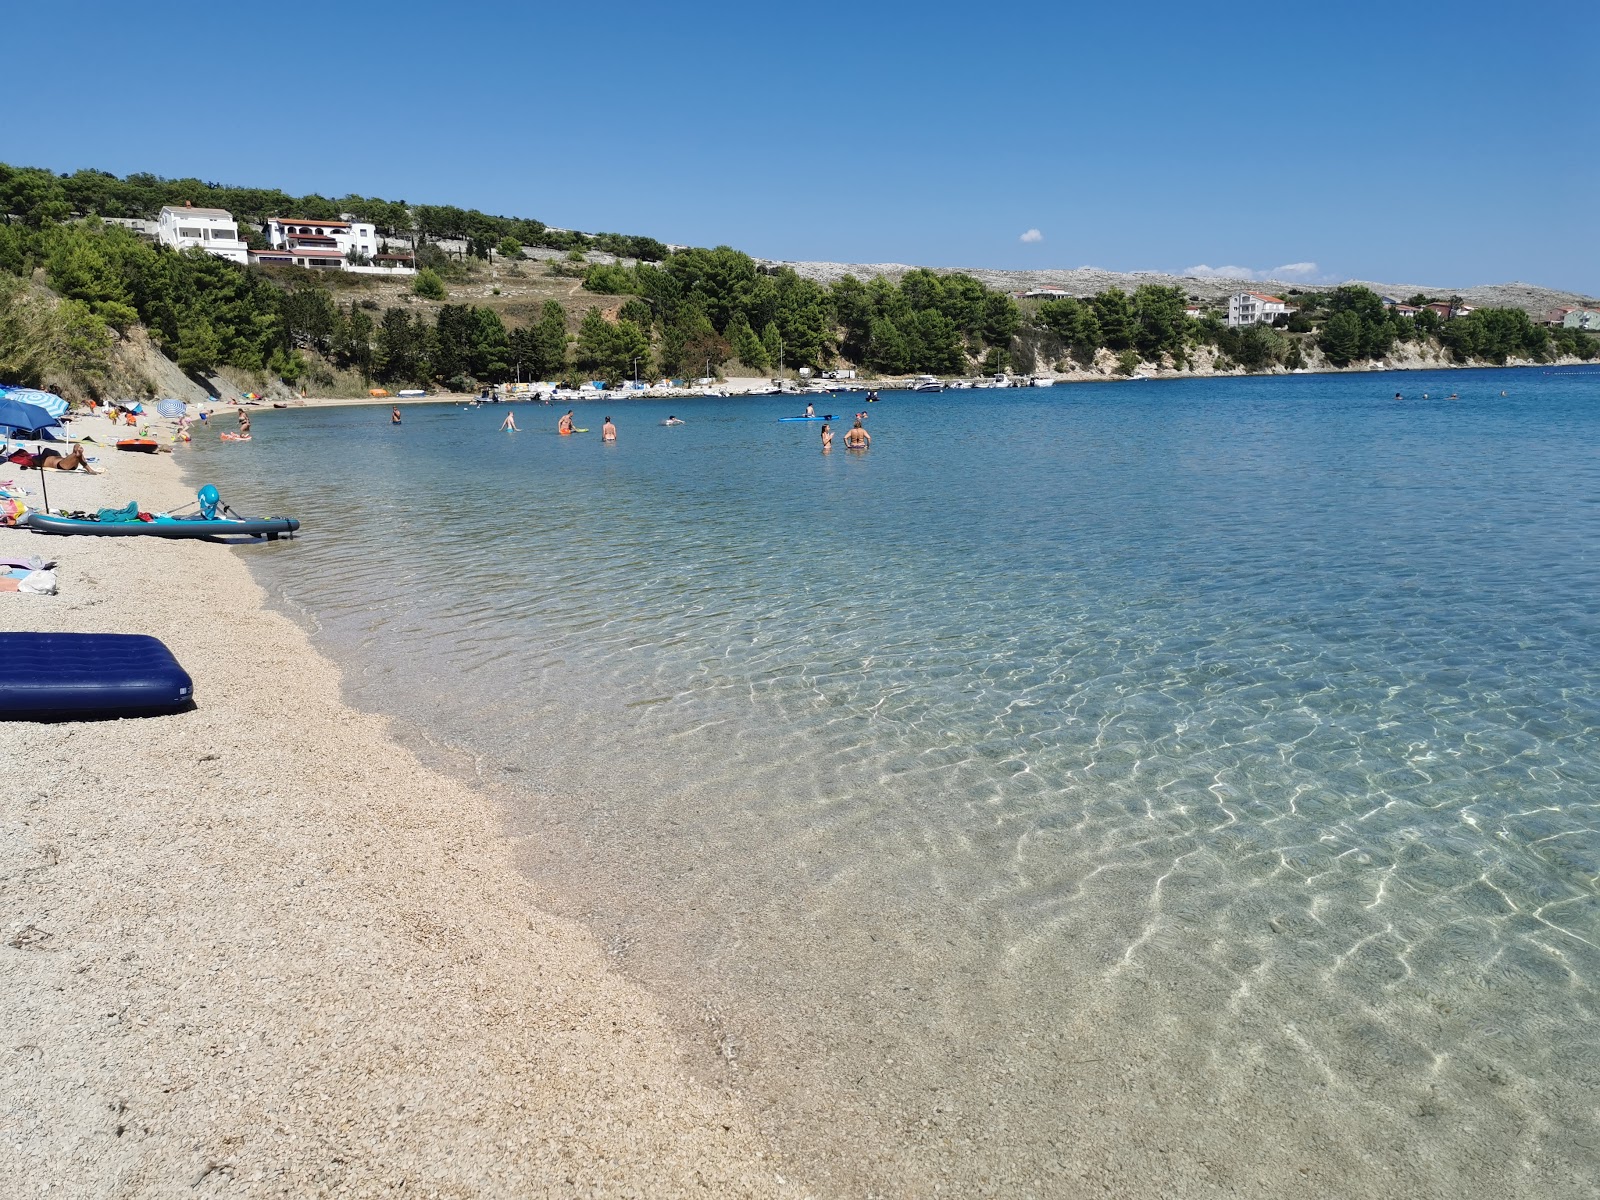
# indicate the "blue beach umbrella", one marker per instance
pixel 49 401
pixel 171 408
pixel 20 415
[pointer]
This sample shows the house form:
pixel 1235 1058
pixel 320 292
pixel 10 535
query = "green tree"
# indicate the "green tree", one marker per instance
pixel 199 346
pixel 1162 322
pixel 887 348
pixel 1115 314
pixel 509 248
pixel 747 347
pixel 1340 339
pixel 428 285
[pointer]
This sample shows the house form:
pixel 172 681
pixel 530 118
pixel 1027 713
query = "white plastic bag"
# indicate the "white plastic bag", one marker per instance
pixel 38 583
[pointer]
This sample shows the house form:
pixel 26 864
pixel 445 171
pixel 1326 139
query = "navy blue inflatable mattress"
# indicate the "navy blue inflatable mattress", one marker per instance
pixel 78 675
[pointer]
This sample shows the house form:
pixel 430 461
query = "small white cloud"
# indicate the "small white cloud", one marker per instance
pixel 1300 271
pixel 1033 235
pixel 1205 272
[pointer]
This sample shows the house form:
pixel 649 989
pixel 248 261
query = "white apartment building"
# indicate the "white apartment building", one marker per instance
pixel 212 229
pixel 302 233
pixel 1254 308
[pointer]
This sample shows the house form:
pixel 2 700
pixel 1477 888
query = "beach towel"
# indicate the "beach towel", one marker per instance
pixel 128 512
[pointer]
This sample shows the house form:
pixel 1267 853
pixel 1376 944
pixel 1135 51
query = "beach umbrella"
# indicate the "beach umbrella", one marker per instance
pixel 49 401
pixel 20 414
pixel 171 408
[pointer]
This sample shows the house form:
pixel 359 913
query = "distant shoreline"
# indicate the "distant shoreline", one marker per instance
pixel 758 386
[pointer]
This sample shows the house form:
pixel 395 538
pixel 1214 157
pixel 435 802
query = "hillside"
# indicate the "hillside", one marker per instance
pixel 1087 281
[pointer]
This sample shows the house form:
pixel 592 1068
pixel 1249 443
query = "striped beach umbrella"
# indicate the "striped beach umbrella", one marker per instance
pixel 49 401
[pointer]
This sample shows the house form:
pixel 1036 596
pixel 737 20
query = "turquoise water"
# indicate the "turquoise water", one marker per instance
pixel 1169 787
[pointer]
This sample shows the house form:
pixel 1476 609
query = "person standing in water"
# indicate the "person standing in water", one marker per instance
pixel 510 423
pixel 857 438
pixel 394 416
pixel 608 431
pixel 827 439
pixel 564 426
pixel 244 423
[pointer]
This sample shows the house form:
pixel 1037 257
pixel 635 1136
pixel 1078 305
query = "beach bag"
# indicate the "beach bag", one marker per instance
pixel 11 511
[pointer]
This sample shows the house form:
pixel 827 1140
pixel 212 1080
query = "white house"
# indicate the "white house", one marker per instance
pixel 1254 308
pixel 1581 318
pixel 301 232
pixel 212 229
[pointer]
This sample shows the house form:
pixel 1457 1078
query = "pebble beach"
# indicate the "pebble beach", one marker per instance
pixel 258 949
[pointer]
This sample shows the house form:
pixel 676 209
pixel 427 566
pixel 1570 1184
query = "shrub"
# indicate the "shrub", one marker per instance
pixel 428 285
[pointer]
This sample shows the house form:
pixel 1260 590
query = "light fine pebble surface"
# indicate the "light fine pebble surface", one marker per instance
pixel 257 949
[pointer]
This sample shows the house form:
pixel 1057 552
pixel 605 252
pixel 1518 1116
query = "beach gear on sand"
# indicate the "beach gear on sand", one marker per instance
pixel 129 521
pixel 165 527
pixel 85 675
pixel 142 445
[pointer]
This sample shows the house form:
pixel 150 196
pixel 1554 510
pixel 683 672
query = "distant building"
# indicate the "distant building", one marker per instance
pixel 294 233
pixel 1557 316
pixel 329 245
pixel 1194 310
pixel 211 229
pixel 1255 308
pixel 1404 310
pixel 301 256
pixel 1045 294
pixel 1581 318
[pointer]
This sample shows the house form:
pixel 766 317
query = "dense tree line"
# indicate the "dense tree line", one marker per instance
pixel 38 197
pixel 681 314
pixel 1347 324
pixel 709 307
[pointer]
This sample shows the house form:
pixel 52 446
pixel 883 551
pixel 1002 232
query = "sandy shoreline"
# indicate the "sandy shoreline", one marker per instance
pixel 258 949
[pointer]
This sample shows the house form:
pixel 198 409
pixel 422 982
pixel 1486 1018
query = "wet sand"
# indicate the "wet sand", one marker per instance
pixel 257 949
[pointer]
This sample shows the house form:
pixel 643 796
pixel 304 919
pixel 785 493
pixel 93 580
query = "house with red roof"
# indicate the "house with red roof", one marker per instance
pixel 1256 308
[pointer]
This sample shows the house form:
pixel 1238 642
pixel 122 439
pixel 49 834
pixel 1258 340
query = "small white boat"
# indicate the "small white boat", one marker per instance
pixel 1042 381
pixel 926 383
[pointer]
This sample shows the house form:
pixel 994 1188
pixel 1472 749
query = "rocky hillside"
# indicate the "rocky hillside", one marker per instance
pixel 1086 281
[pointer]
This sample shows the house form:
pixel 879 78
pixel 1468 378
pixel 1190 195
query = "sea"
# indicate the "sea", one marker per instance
pixel 1144 788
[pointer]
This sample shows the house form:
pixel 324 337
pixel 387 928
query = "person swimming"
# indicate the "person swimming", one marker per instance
pixel 672 421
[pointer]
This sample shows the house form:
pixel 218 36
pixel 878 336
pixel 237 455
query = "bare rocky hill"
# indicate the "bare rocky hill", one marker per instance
pixel 1085 281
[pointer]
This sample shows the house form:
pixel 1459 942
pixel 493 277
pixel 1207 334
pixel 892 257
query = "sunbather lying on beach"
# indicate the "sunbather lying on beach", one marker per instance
pixel 47 460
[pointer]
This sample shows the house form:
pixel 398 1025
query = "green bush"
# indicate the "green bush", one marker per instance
pixel 428 285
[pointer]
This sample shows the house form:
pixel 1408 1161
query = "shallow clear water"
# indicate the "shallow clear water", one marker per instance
pixel 1173 787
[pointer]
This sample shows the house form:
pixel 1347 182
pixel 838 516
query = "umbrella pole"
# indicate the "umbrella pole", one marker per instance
pixel 46 489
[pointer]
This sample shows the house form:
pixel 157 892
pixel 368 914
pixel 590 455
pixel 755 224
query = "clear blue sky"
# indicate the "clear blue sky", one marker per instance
pixel 1430 143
